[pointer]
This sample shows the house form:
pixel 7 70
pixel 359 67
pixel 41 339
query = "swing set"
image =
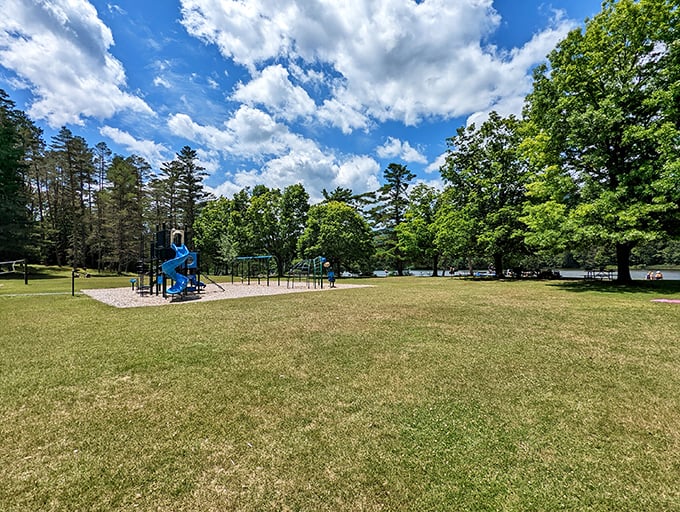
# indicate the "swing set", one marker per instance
pixel 255 267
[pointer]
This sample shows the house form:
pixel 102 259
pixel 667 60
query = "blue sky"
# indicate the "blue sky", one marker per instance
pixel 276 92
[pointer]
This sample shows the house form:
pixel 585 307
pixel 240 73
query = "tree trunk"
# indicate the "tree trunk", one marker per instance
pixel 623 263
pixel 435 265
pixel 498 263
pixel 399 264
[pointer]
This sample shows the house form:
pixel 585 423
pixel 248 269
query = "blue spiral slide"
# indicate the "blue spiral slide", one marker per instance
pixel 170 269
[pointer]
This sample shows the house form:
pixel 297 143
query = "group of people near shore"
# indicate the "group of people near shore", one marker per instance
pixel 653 276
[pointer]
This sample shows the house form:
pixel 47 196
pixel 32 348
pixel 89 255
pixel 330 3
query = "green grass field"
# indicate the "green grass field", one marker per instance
pixel 415 394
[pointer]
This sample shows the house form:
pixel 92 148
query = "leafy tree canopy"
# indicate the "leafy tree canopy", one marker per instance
pixel 487 179
pixel 604 116
pixel 337 231
pixel 417 232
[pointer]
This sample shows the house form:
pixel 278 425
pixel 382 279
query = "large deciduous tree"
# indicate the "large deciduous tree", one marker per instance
pixel 604 116
pixel 294 209
pixel 418 231
pixel 487 179
pixel 338 232
pixel 212 235
pixel 277 221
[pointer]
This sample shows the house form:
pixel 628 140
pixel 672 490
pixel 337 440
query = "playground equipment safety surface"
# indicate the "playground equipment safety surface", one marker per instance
pixel 127 298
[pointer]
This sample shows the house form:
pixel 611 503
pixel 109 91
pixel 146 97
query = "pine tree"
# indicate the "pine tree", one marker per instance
pixel 392 201
pixel 73 172
pixel 124 210
pixel 14 220
pixel 191 194
pixel 102 162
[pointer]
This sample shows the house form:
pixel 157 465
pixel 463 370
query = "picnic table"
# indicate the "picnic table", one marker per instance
pixel 600 275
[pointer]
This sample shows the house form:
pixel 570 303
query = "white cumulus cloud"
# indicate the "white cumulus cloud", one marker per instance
pixel 61 48
pixel 395 148
pixel 151 151
pixel 387 60
pixel 290 158
pixel 273 89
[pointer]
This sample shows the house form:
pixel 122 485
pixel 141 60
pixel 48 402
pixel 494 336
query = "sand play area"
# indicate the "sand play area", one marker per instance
pixel 128 298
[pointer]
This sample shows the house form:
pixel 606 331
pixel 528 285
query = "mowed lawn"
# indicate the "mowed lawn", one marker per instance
pixel 415 394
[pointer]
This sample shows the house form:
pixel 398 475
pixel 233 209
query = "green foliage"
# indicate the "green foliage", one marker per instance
pixel 97 241
pixel 600 136
pixel 294 209
pixel 482 205
pixel 339 194
pixel 212 235
pixel 72 175
pixel 605 115
pixel 177 195
pixel 335 230
pixel 418 231
pixel 392 201
pixel 191 196
pixel 657 253
pixel 122 204
pixel 261 221
pixel 14 219
pixel 276 221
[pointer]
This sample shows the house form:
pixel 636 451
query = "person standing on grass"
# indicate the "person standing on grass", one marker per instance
pixel 331 277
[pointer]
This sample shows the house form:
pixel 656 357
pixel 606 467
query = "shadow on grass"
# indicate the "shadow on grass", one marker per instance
pixel 52 272
pixel 650 287
pixel 576 285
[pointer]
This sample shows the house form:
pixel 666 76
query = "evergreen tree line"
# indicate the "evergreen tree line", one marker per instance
pixel 589 175
pixel 68 203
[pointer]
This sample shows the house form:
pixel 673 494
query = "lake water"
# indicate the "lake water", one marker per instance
pixel 568 273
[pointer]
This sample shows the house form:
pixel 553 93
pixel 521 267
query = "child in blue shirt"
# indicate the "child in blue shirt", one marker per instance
pixel 331 277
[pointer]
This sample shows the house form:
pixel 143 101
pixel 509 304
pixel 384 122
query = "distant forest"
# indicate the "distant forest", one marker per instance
pixel 589 176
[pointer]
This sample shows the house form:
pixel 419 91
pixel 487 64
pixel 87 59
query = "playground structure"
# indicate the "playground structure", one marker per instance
pixel 256 268
pixel 310 271
pixel 261 269
pixel 172 269
pixel 182 269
